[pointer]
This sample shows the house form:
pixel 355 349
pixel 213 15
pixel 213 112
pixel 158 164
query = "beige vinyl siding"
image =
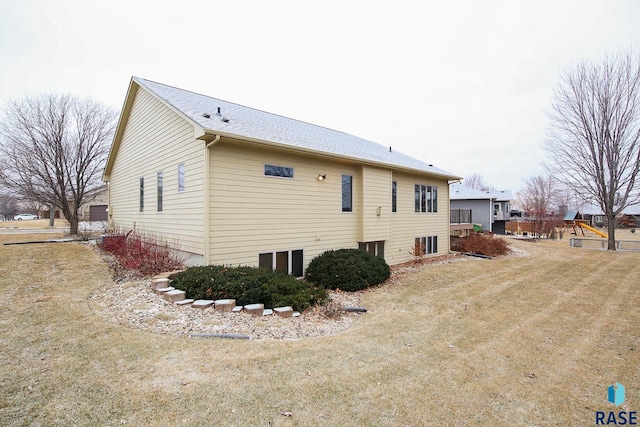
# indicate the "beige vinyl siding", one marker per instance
pixel 253 213
pixel 408 224
pixel 157 139
pixel 376 196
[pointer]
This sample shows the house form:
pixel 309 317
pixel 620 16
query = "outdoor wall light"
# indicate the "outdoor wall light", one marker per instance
pixel 322 177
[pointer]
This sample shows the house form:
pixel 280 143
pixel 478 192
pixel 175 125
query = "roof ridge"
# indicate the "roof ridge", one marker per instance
pixel 251 108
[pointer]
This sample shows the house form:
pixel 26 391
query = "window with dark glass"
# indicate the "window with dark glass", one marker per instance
pixel 394 196
pixel 279 171
pixel 160 191
pixel 290 262
pixel 347 193
pixel 141 194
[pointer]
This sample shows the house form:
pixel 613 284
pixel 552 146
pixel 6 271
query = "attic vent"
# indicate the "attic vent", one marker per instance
pixel 206 115
pixel 430 165
pixel 224 119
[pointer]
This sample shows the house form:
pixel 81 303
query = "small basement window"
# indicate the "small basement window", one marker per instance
pixel 290 262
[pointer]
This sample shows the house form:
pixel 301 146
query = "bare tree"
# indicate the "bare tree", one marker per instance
pixel 53 149
pixel 537 199
pixel 8 205
pixel 477 181
pixel 594 138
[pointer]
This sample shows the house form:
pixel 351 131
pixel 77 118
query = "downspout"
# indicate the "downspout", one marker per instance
pixel 207 201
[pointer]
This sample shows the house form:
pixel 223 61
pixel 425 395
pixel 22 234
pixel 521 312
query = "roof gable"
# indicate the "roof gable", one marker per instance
pixel 216 116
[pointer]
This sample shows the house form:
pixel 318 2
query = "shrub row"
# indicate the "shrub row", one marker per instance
pixel 248 285
pixel 481 244
pixel 141 252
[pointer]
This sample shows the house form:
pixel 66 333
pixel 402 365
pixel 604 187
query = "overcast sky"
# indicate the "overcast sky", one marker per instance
pixel 464 85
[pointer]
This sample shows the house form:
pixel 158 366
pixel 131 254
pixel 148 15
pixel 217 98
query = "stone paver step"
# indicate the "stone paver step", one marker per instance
pixel 255 309
pixel 202 303
pixel 163 290
pixel 283 311
pixel 174 295
pixel 225 305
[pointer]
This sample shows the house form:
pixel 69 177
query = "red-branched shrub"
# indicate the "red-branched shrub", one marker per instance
pixel 144 253
pixel 481 244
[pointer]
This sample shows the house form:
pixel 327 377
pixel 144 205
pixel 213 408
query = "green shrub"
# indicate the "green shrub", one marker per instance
pixel 347 269
pixel 248 285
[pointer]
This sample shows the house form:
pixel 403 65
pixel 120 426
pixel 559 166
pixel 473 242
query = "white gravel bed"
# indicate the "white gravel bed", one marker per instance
pixel 134 304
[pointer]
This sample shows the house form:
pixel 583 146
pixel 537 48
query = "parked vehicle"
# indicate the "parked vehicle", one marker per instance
pixel 24 216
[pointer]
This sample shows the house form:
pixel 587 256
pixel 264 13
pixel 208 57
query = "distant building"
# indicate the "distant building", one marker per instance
pixel 489 210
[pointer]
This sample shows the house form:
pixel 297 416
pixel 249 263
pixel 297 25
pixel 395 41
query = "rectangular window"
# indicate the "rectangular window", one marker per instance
pixel 181 177
pixel 426 198
pixel 160 191
pixel 374 248
pixel 425 245
pixel 279 171
pixel 434 199
pixel 290 262
pixel 265 261
pixel 141 194
pixel 347 193
pixel 394 196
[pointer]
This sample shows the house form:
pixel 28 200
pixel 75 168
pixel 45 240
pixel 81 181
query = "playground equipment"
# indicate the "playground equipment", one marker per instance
pixel 591 229
pixel 574 219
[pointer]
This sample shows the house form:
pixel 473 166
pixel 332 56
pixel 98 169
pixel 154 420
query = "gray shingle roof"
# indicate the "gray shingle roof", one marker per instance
pixel 462 192
pixel 241 121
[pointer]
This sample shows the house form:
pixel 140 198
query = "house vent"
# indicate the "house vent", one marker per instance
pixel 206 115
pixel 218 113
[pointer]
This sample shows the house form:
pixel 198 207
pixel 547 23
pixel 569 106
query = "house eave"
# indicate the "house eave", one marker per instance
pixel 210 134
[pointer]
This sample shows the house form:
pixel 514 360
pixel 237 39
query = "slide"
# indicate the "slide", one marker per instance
pixel 593 230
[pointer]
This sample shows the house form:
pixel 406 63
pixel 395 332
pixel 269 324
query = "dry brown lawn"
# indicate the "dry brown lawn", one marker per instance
pixel 529 340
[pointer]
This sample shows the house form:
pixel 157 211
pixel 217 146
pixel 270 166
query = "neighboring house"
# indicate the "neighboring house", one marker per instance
pixel 95 207
pixel 501 210
pixel 239 186
pixel 488 209
pixel 596 217
pixel 478 204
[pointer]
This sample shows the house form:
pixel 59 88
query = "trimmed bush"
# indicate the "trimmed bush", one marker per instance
pixel 248 285
pixel 481 244
pixel 347 269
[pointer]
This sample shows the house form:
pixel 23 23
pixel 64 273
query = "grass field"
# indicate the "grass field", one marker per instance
pixel 522 340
